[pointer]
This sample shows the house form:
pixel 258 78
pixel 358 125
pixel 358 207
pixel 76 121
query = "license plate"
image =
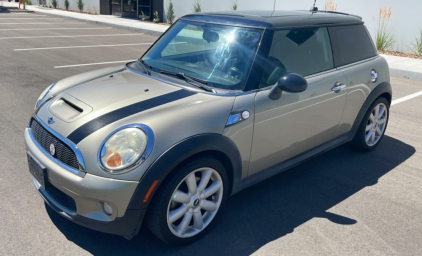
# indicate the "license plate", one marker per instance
pixel 37 170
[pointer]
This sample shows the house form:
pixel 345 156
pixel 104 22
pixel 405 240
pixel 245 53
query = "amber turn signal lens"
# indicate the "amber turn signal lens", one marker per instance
pixel 115 160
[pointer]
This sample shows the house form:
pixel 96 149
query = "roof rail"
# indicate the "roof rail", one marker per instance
pixel 343 13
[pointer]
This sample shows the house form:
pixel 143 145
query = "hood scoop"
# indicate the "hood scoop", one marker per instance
pixel 69 109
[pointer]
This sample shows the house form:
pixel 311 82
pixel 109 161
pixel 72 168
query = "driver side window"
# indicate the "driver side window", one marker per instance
pixel 301 51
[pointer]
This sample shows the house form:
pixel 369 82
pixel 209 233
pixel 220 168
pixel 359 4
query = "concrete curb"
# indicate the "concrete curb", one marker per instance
pixel 406 74
pixel 129 28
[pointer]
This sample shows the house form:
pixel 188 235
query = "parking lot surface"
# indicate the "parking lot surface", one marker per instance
pixel 339 203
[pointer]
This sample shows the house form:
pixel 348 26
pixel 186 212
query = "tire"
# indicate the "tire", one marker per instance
pixel 176 218
pixel 372 129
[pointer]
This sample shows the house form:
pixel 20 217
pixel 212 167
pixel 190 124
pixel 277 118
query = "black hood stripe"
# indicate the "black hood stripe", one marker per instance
pixel 85 130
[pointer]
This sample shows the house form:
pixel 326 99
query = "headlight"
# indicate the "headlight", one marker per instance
pixel 43 94
pixel 126 148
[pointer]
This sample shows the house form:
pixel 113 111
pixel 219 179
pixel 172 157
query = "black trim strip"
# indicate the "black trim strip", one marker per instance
pixel 87 129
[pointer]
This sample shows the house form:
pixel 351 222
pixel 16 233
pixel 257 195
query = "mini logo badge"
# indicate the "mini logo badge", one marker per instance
pixel 51 120
pixel 52 149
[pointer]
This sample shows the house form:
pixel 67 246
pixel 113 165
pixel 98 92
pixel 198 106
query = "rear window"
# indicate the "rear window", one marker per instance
pixel 351 44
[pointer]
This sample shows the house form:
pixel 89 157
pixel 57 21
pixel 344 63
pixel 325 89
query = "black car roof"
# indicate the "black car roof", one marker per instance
pixel 276 19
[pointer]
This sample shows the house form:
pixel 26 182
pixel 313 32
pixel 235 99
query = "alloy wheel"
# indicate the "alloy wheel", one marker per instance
pixel 376 124
pixel 195 202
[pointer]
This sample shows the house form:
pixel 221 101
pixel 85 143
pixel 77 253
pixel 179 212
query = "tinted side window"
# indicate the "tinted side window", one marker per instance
pixel 302 51
pixel 351 44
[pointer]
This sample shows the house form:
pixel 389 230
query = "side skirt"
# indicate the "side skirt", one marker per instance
pixel 284 166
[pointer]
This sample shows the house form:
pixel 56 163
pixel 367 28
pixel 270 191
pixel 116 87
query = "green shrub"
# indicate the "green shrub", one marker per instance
pixel 197 6
pixel 170 13
pixel 156 18
pixel 49 6
pixel 66 4
pixel 80 4
pixel 384 39
pixel 234 6
pixel 417 46
pixel 54 3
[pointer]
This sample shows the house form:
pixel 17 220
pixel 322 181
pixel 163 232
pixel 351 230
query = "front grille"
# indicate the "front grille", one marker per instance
pixel 63 152
pixel 60 197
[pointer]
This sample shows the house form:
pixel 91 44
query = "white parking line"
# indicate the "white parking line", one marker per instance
pixel 92 64
pixel 80 46
pixel 26 37
pixel 408 97
pixel 47 28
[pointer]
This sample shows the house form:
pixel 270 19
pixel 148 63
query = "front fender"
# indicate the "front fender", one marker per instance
pixel 180 152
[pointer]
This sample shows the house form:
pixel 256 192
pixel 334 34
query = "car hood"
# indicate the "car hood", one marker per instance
pixel 91 102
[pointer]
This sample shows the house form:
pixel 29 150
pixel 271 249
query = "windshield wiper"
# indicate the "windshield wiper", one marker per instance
pixel 193 81
pixel 144 64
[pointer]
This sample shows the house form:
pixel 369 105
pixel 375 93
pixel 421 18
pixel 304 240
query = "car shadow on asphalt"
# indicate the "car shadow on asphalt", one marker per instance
pixel 266 211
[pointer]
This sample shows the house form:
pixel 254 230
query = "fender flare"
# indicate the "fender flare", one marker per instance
pixel 178 153
pixel 382 88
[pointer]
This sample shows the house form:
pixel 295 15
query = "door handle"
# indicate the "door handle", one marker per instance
pixel 338 87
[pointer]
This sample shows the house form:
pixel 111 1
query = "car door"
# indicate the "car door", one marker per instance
pixel 297 122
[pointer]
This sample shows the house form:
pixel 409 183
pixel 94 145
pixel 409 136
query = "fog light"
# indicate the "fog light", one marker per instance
pixel 107 208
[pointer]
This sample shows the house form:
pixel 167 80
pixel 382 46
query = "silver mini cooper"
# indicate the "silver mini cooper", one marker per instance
pixel 220 102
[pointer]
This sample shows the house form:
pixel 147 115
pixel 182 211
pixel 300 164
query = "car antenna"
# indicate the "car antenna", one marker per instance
pixel 314 9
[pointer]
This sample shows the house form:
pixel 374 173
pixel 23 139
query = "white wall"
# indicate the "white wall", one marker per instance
pixel 405 23
pixel 89 5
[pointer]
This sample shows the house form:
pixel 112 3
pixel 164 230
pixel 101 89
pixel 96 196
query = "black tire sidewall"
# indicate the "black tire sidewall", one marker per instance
pixel 170 184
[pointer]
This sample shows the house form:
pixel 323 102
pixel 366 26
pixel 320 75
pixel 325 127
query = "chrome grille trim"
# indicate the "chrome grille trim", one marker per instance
pixel 81 170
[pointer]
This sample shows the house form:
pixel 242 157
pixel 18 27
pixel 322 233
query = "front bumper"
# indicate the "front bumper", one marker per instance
pixel 89 194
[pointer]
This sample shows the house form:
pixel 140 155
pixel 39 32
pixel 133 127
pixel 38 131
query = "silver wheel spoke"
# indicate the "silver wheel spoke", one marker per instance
pixel 372 118
pixel 198 222
pixel 183 226
pixel 382 110
pixel 382 121
pixel 378 131
pixel 181 197
pixel 377 111
pixel 209 206
pixel 368 127
pixel 191 183
pixel 215 186
pixel 178 213
pixel 204 180
pixel 372 137
pixel 368 136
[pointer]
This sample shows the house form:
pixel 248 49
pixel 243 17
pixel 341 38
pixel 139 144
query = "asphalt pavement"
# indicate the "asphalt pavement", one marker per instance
pixel 339 203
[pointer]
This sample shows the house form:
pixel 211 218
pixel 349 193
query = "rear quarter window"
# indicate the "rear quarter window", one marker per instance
pixel 351 44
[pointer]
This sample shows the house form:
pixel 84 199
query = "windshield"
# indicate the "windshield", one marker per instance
pixel 218 55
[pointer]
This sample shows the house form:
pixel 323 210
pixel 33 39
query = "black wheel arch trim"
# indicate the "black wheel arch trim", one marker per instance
pixel 382 88
pixel 180 152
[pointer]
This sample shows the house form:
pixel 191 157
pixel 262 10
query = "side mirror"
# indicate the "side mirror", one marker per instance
pixel 290 82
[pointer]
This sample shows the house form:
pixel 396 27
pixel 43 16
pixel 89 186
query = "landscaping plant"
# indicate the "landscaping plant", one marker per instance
pixel 143 16
pixel 417 47
pixel 80 4
pixel 234 6
pixel 170 13
pixel 384 39
pixel 330 6
pixel 54 3
pixel 197 6
pixel 66 4
pixel 156 18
